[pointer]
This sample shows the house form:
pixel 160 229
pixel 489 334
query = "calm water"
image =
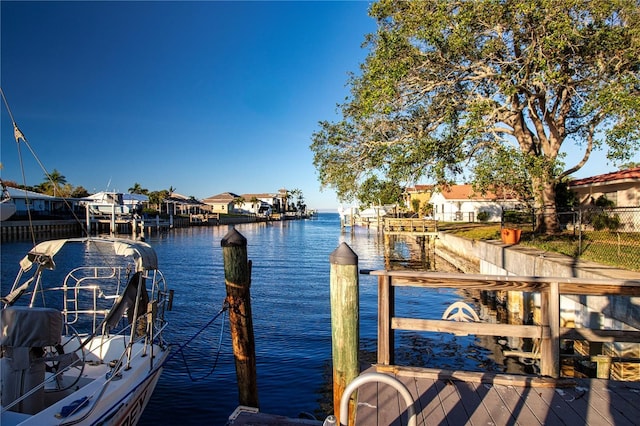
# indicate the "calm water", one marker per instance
pixel 292 320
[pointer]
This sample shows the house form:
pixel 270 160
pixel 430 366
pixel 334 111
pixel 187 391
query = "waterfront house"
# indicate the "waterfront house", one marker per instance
pixel 261 203
pixel 41 205
pixel 418 194
pixel 621 187
pixel 222 203
pixel 178 204
pixel 463 203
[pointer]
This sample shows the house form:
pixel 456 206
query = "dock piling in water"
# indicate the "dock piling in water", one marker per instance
pixel 237 275
pixel 344 324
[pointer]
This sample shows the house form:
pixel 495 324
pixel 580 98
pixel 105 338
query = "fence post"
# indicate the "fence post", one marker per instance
pixel 344 324
pixel 237 277
pixel 550 318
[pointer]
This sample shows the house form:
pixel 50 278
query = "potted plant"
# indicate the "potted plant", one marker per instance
pixel 510 235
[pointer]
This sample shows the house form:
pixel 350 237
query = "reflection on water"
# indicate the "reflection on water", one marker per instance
pixel 292 319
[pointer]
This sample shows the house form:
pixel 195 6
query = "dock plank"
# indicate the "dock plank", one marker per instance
pixel 515 401
pixel 428 406
pixel 471 396
pixel 447 401
pixel 603 402
pixel 558 414
pixel 449 398
pixel 498 410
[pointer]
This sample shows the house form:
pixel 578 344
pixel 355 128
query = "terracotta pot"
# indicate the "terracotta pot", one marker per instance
pixel 510 236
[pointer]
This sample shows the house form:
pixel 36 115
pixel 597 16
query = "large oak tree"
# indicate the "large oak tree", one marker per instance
pixel 500 87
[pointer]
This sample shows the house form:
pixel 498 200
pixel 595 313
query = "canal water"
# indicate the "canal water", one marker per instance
pixel 292 319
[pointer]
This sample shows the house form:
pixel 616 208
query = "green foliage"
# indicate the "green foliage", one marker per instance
pixel 518 217
pixel 600 218
pixel 503 85
pixel 603 221
pixel 483 216
pixel 376 192
pixel 79 192
pixel 156 197
pixel 53 184
pixel 415 204
pixel 565 198
pixel 603 201
pixel 138 189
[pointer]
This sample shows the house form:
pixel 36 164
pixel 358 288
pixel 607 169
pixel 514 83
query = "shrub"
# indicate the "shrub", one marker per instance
pixel 602 221
pixel 483 216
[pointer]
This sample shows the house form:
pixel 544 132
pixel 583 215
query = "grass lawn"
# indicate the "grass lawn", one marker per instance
pixel 617 249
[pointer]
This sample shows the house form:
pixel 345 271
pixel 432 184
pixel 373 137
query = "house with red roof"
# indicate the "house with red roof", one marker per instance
pixel 621 187
pixel 463 203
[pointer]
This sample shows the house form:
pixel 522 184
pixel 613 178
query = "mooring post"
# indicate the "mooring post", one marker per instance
pixel 237 276
pixel 345 315
pixel 113 220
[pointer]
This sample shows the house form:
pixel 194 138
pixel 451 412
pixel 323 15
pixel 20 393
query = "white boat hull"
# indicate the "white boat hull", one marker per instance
pixel 118 400
pixel 51 374
pixel 7 209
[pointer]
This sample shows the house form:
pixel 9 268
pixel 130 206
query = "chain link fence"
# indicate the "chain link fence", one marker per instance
pixel 608 235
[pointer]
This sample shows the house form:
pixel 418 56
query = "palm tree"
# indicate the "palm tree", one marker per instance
pixel 285 194
pixel 238 201
pixel 54 182
pixel 254 200
pixel 297 193
pixel 138 189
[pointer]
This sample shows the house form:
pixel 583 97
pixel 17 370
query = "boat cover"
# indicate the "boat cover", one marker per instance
pixel 143 254
pixel 24 327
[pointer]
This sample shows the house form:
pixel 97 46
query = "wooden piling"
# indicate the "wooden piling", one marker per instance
pixel 237 274
pixel 344 324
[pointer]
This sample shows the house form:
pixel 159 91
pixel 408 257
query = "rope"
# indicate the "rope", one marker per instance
pixel 181 348
pixel 18 135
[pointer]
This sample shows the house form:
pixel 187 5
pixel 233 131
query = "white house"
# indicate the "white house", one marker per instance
pixel 260 204
pixel 463 203
pixel 39 204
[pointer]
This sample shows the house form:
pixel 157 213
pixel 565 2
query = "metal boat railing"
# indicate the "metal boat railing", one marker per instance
pixel 92 291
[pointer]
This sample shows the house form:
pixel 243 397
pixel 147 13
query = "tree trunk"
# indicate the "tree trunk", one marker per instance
pixel 546 212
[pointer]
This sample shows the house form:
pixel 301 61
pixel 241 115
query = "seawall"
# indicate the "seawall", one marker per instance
pixel 495 258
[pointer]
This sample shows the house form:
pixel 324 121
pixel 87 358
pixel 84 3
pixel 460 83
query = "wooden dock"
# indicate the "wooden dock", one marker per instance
pixel 411 227
pixel 464 398
pixel 442 398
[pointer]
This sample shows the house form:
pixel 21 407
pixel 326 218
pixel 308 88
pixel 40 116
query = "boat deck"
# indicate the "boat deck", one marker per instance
pixel 481 400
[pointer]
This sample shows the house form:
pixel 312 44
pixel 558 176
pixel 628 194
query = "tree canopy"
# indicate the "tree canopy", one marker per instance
pixel 55 184
pixel 498 88
pixel 138 189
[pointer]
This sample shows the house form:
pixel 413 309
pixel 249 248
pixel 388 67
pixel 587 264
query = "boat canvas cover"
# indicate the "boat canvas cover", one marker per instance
pixel 143 254
pixel 24 327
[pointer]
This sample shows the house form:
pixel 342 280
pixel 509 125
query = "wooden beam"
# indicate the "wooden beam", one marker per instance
pixel 600 335
pixel 466 328
pixel 476 377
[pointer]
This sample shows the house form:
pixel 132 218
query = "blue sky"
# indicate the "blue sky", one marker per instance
pixel 205 96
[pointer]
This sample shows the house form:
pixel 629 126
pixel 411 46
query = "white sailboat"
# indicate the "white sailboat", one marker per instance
pixel 89 350
pixel 81 332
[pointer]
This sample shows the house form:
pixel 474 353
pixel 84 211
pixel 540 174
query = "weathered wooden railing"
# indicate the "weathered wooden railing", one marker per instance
pixel 548 331
pixel 410 225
